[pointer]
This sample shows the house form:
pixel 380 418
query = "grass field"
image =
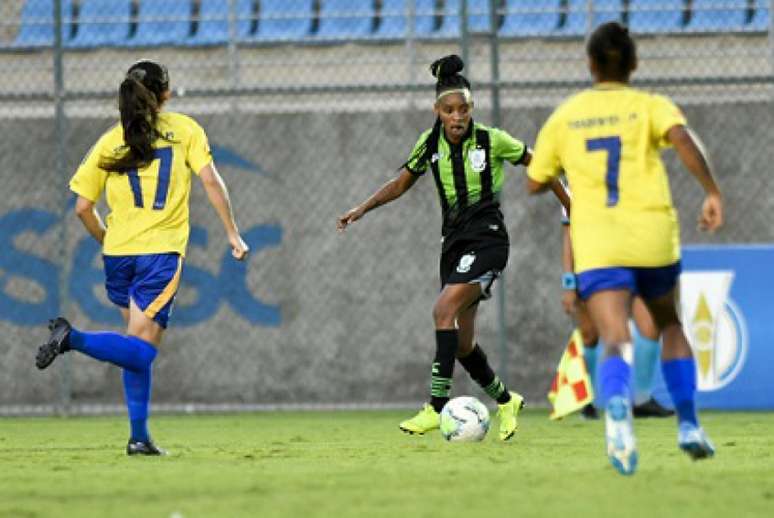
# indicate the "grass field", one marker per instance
pixel 348 464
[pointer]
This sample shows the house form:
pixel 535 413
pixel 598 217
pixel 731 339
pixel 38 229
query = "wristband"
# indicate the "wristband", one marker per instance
pixel 568 281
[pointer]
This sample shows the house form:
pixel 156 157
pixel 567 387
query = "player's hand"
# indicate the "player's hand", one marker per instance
pixel 570 302
pixel 711 217
pixel 239 248
pixel 349 217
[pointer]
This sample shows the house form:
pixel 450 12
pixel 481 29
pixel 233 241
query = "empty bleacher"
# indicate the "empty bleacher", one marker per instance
pixel 155 23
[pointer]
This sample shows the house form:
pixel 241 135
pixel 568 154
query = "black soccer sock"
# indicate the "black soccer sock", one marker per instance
pixel 478 367
pixel 446 344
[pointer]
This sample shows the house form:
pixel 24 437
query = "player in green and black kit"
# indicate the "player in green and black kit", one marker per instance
pixel 466 161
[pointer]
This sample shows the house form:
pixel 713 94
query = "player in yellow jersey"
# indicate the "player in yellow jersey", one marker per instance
pixel 624 227
pixel 142 166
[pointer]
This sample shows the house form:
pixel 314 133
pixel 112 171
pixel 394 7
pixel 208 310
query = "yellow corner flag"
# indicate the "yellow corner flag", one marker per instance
pixel 571 389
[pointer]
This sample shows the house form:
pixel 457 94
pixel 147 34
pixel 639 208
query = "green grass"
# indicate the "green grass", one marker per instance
pixel 342 464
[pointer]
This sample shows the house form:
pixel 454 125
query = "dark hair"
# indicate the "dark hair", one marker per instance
pixel 612 49
pixel 139 100
pixel 447 73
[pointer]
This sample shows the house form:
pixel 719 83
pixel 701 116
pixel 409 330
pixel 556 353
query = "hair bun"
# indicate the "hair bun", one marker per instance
pixel 447 66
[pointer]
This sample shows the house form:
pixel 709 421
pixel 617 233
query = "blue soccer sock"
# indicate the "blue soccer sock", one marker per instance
pixel 137 389
pixel 680 379
pixel 590 357
pixel 614 374
pixel 646 356
pixel 128 352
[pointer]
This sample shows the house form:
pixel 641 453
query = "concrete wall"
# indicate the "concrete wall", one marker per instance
pixel 315 316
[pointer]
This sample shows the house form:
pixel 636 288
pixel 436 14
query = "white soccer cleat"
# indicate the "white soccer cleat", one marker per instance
pixel 619 433
pixel 694 441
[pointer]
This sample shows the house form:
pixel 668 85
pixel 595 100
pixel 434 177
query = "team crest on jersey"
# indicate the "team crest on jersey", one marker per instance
pixel 436 157
pixel 466 261
pixel 477 159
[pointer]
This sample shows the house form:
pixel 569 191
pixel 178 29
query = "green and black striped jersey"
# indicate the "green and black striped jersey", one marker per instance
pixel 468 176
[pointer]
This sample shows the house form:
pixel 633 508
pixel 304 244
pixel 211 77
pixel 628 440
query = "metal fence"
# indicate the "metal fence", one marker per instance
pixel 309 106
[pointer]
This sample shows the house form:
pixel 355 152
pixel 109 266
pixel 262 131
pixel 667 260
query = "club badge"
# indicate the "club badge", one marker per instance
pixel 477 159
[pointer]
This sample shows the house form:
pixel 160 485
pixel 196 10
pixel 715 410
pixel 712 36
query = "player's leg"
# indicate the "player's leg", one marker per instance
pixel 104 346
pixel 453 299
pixel 590 338
pixel 679 372
pixel 609 310
pixel 473 358
pixel 647 353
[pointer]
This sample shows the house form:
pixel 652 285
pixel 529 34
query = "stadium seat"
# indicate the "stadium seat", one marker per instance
pixel 655 16
pixel 717 16
pixel 478 18
pixel 162 22
pixel 37 23
pixel 345 19
pixel 283 20
pixel 760 20
pixel 102 23
pixel 393 20
pixel 531 18
pixel 213 29
pixel 576 20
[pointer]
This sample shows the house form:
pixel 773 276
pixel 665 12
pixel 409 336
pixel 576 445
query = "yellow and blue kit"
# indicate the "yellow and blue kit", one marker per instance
pixel 607 140
pixel 149 213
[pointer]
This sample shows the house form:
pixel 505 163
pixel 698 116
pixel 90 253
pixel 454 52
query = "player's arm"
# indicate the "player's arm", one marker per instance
pixel 691 154
pixel 388 192
pixel 217 193
pixel 86 211
pixel 569 293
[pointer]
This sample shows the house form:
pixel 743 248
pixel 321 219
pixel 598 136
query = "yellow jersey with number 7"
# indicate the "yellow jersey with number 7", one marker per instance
pixel 148 207
pixel 607 141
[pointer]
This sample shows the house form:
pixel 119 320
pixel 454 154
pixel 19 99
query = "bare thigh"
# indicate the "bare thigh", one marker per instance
pixel 609 311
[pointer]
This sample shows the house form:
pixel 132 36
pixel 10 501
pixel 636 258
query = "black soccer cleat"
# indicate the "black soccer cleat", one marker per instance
pixel 651 408
pixel 589 412
pixel 143 448
pixel 58 342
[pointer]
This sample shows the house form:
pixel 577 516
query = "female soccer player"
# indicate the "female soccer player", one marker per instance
pixel 143 167
pixel 625 235
pixel 466 160
pixel 645 339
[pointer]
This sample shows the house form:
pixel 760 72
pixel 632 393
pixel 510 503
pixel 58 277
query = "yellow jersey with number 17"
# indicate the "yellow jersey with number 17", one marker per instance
pixel 148 207
pixel 607 140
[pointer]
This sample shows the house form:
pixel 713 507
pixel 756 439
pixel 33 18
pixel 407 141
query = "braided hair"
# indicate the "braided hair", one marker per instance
pixel 140 97
pixel 446 70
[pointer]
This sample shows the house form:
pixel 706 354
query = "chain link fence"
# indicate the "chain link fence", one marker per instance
pixel 309 106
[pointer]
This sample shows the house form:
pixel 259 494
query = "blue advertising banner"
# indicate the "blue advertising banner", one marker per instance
pixel 727 304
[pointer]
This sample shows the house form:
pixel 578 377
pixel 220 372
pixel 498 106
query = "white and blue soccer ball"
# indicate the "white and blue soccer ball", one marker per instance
pixel 464 419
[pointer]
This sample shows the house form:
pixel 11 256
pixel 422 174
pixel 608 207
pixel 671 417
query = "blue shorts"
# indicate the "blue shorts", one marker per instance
pixel 646 282
pixel 151 281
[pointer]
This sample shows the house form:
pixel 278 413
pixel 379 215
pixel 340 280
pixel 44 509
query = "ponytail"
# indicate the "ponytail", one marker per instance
pixel 139 102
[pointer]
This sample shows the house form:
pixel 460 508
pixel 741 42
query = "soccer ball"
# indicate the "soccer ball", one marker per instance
pixel 464 419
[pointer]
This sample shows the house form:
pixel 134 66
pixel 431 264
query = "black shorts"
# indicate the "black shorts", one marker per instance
pixel 474 263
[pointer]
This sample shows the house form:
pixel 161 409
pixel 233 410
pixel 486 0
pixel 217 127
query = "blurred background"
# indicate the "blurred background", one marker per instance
pixel 310 105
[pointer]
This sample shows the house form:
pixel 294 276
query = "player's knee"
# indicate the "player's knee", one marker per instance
pixel 444 315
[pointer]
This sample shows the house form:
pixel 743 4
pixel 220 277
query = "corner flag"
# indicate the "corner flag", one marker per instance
pixel 571 388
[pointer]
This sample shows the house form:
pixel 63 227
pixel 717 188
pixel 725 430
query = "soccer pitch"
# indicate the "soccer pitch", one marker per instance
pixel 305 464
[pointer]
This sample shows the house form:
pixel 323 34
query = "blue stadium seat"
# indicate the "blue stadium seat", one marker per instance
pixel 654 16
pixel 531 18
pixel 345 19
pixel 102 23
pixel 393 20
pixel 213 29
pixel 760 20
pixel 283 20
pixel 603 11
pixel 162 22
pixel 478 17
pixel 425 22
pixel 717 16
pixel 37 23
